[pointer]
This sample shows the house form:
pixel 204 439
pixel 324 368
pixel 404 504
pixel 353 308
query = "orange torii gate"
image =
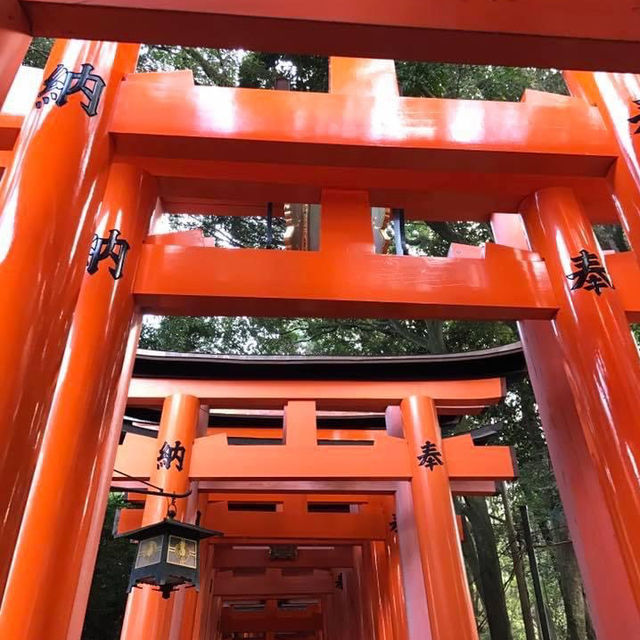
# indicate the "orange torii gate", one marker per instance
pixel 98 154
pixel 384 463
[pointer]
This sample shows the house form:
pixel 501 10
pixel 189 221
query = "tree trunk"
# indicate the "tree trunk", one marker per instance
pixel 568 577
pixel 490 586
pixel 518 568
pixel 472 565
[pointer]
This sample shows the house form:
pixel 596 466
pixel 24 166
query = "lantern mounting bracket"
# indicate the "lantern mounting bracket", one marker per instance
pixel 155 490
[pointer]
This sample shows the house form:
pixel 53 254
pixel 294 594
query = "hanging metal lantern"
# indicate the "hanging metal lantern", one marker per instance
pixel 168 555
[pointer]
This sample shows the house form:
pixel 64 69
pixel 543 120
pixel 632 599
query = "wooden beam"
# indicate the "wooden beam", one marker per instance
pixel 338 527
pixel 233 621
pixel 388 459
pixel 10 126
pixel 226 557
pixel 272 584
pixel 342 395
pixel 248 125
pixel 625 275
pixel 570 34
pixel 176 280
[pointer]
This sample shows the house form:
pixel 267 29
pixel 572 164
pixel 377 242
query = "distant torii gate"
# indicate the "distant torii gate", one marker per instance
pixel 86 160
pixel 412 475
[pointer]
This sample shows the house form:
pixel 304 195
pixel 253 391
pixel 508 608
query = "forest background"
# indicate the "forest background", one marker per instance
pixel 494 550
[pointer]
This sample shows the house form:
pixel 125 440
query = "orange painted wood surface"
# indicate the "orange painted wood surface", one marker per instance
pixel 176 280
pixel 487 157
pixel 280 620
pixel 347 395
pixel 226 557
pixel 248 526
pixel 567 34
pixel 249 125
pixel 273 584
pixel 387 459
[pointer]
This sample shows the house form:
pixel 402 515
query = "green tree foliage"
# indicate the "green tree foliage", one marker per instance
pixel 474 82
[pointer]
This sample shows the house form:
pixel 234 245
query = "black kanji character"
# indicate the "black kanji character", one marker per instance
pixel 589 273
pixel 167 454
pixel 430 456
pixel 62 83
pixel 111 247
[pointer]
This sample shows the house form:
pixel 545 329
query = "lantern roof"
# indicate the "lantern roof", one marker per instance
pixel 170 526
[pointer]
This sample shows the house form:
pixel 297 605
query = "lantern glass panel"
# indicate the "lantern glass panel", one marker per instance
pixel 149 552
pixel 183 552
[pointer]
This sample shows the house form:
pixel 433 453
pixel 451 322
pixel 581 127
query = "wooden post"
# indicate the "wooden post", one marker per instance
pixel 49 199
pixel 615 94
pixel 70 476
pixel 572 362
pixel 451 615
pixel 147 615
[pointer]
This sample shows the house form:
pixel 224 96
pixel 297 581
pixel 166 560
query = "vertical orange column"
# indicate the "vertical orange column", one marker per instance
pixel 204 601
pixel 342 613
pixel 361 588
pixel 396 589
pixel 147 613
pixel 615 94
pixel 49 199
pixel 380 570
pixel 345 222
pixel 614 612
pixel 603 375
pixel 14 42
pixel 368 590
pixel 450 610
pixel 105 459
pixel 186 599
pixel 65 490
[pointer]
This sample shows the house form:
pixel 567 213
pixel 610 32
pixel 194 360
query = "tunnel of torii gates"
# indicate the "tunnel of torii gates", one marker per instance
pixel 93 153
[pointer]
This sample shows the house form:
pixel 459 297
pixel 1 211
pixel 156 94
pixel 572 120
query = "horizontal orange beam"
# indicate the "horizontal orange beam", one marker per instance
pixel 180 280
pixel 387 459
pixel 340 557
pixel 272 584
pixel 570 34
pixel 9 129
pixel 197 185
pixel 249 125
pixel 258 621
pixel 342 395
pixel 343 527
pixel 257 526
pixel 625 275
pixel 472 173
pixel 474 487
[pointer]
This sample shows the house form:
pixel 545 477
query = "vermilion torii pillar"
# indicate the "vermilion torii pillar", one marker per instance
pixel 451 615
pixel 80 441
pixel 49 200
pixel 600 361
pixel 616 96
pixel 148 616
